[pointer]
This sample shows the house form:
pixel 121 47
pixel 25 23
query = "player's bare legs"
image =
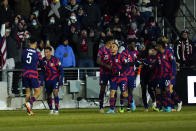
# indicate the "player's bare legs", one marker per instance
pixel 28 94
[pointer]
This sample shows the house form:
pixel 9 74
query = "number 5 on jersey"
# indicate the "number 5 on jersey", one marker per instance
pixel 29 57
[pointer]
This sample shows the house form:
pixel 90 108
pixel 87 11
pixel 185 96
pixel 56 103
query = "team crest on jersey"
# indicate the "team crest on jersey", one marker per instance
pixel 52 64
pixel 164 57
pixel 106 57
pixel 116 60
pixel 59 63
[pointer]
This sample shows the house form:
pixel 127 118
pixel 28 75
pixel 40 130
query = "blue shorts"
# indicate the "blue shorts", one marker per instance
pixel 122 84
pixel 51 85
pixel 165 82
pixel 30 82
pixel 173 82
pixel 103 80
pixel 131 82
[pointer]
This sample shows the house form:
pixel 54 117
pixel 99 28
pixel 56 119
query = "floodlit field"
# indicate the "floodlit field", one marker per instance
pixel 91 120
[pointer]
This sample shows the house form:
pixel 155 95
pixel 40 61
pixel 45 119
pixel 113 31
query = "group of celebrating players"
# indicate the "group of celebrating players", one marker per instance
pixel 118 65
pixel 158 73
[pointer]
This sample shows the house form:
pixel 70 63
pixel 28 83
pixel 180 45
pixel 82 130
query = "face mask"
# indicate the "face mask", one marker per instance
pixel 52 21
pixel 73 19
pixel 34 23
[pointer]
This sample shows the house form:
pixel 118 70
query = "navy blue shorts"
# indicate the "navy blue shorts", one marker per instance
pixel 103 80
pixel 122 84
pixel 30 82
pixel 131 82
pixel 164 82
pixel 51 85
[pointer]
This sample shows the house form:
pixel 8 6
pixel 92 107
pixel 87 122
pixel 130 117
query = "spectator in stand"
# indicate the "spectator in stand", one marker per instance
pixel 54 11
pixel 151 31
pixel 66 11
pixel 35 29
pixel 183 50
pixel 65 54
pixel 145 9
pixel 41 47
pixel 93 15
pixel 20 33
pixel 80 16
pixel 84 49
pixel 14 54
pixel 52 32
pixel 133 32
pixel 6 14
pixel 117 28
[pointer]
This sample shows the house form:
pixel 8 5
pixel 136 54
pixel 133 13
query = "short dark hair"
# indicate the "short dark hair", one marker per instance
pixel 161 43
pixel 32 40
pixel 48 48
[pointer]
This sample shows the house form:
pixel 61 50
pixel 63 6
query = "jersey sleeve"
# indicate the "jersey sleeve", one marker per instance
pixel 173 62
pixel 100 53
pixel 60 68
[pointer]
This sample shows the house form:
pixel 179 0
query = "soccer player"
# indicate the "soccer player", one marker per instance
pixel 104 61
pixel 131 56
pixel 30 60
pixel 119 78
pixel 167 67
pixel 52 74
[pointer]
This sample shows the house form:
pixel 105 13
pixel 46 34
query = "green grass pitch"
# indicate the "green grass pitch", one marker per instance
pixel 92 120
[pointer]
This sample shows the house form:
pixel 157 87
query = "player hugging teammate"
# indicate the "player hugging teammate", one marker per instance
pixel 158 75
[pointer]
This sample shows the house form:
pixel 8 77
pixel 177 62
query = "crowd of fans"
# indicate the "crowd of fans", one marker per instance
pixel 82 25
pixel 75 29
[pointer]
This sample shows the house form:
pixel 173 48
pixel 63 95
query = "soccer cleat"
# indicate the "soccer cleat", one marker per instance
pixel 168 109
pixel 179 107
pixel 154 104
pixel 173 110
pixel 28 106
pixel 121 110
pixel 146 110
pixel 101 110
pixel 51 112
pixel 128 110
pixel 133 107
pixel 110 111
pixel 156 109
pixel 30 113
pixel 56 112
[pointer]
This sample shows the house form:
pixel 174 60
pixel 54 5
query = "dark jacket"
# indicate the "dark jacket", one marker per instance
pixel 6 15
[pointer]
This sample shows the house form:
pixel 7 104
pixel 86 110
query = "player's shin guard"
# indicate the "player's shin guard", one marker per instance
pixel 101 99
pixel 175 97
pixel 56 101
pixel 165 99
pixel 49 100
pixel 115 96
pixel 112 101
pixel 130 100
pixel 121 101
pixel 169 101
pixel 32 100
pixel 158 98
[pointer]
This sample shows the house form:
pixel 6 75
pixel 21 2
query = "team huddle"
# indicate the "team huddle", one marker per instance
pixel 158 72
pixel 118 67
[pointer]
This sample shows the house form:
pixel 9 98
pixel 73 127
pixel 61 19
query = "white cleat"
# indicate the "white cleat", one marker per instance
pixel 56 112
pixel 154 104
pixel 51 112
pixel 101 110
pixel 28 106
pixel 179 107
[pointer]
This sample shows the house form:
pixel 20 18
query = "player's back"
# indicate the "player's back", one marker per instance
pixel 30 59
